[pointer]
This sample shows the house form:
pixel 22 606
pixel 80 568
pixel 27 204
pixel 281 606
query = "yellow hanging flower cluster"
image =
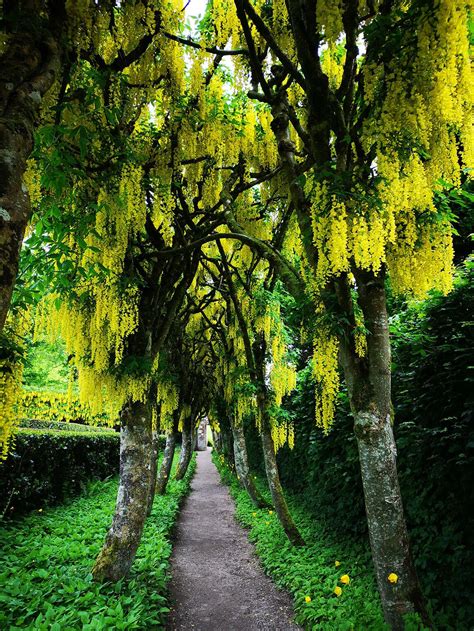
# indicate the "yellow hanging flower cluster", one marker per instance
pixel 342 233
pixel 32 180
pixel 104 314
pixel 325 370
pixel 421 129
pixel 226 23
pixel 10 384
pixel 11 372
pixel 332 64
pixel 283 434
pixel 329 18
pixel 168 399
pixel 53 406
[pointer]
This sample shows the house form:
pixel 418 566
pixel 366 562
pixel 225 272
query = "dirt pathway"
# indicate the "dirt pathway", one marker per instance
pixel 217 583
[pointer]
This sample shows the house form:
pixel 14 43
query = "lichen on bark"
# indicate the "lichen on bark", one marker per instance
pixel 166 463
pixel 122 540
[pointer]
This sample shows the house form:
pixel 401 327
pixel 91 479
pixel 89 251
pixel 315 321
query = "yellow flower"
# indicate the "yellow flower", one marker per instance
pixel 270 512
pixel 40 510
pixel 337 563
pixel 337 591
pixel 268 523
pixel 393 578
pixel 254 514
pixel 345 579
pixel 307 599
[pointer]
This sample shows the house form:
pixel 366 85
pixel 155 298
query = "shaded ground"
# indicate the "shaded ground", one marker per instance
pixel 217 583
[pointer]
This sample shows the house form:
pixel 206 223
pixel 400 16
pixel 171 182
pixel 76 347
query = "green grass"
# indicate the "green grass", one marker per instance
pixel 311 571
pixel 46 558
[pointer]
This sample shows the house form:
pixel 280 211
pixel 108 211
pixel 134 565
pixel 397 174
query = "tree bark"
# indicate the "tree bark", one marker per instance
pixel 28 69
pixel 166 464
pixel 186 451
pixel 242 467
pixel 155 440
pixel 122 540
pixel 228 446
pixel 217 440
pixel 273 477
pixel 370 396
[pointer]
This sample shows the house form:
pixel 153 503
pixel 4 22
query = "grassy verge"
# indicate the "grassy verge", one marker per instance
pixel 312 574
pixel 45 562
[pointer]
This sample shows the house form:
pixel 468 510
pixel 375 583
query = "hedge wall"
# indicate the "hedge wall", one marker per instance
pixel 46 466
pixel 63 426
pixel 433 384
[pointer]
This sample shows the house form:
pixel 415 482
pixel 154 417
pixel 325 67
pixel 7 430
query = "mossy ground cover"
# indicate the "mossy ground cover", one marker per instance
pixel 46 558
pixel 313 574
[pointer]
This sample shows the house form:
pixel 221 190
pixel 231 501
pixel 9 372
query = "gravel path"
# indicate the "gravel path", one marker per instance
pixel 217 583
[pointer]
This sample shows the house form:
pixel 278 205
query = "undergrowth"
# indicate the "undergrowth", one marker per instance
pixel 313 574
pixel 46 558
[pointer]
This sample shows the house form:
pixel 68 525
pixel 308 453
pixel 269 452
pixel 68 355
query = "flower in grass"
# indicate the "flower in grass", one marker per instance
pixel 254 514
pixel 337 591
pixel 337 563
pixel 345 580
pixel 268 523
pixel 270 512
pixel 307 599
pixel 392 577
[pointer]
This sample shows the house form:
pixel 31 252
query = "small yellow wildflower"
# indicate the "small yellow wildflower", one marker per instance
pixel 345 579
pixel 40 510
pixel 254 514
pixel 270 512
pixel 393 578
pixel 268 523
pixel 307 599
pixel 337 591
pixel 337 563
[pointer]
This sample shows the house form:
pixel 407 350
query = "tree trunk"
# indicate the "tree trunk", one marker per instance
pixel 166 464
pixel 217 440
pixel 228 446
pixel 155 441
pixel 122 540
pixel 273 477
pixel 186 451
pixel 370 395
pixel 28 69
pixel 242 467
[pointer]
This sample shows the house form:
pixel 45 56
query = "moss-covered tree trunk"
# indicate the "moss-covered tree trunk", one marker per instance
pixel 122 540
pixel 217 441
pixel 369 383
pixel 166 464
pixel 242 466
pixel 155 441
pixel 186 450
pixel 228 445
pixel 273 476
pixel 268 446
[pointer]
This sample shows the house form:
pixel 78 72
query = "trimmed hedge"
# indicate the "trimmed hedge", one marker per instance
pixel 62 426
pixel 47 466
pixel 46 558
